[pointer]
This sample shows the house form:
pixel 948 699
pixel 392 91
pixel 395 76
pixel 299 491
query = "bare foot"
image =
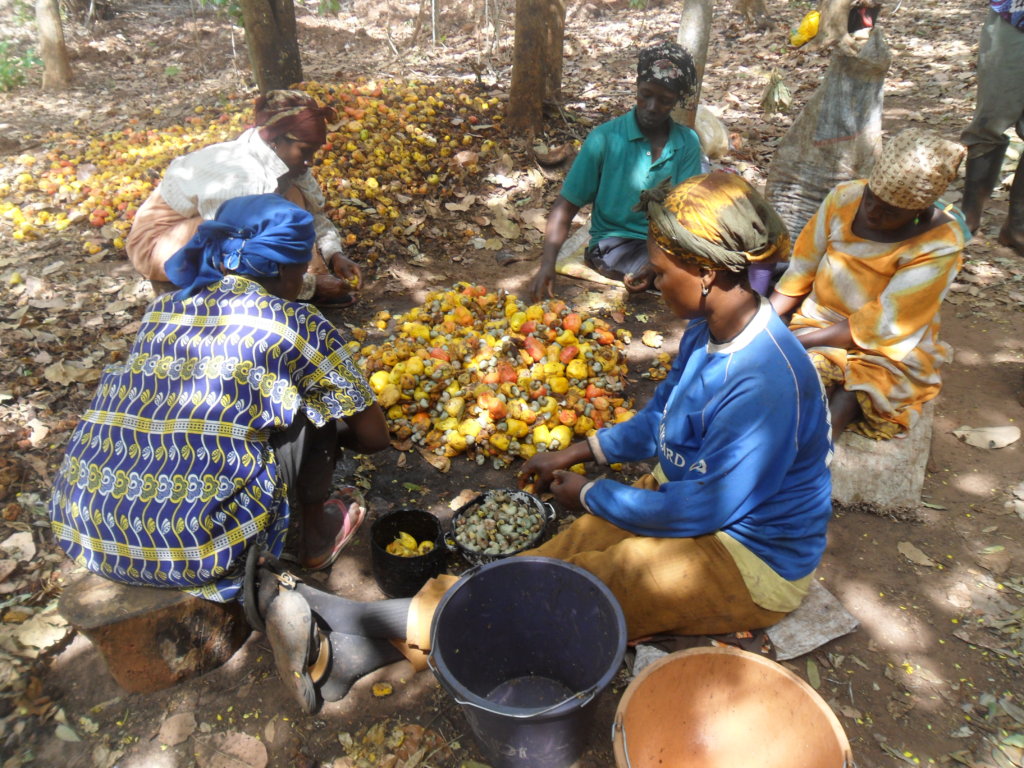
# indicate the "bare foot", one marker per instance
pixel 328 528
pixel 1012 239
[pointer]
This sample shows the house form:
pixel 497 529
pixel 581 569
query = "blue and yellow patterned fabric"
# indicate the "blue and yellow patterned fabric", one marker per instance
pixel 169 477
pixel 1011 10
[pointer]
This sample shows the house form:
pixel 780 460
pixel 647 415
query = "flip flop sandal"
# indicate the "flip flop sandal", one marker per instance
pixel 294 639
pixel 350 505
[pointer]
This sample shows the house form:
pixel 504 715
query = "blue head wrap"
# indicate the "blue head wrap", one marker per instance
pixel 252 235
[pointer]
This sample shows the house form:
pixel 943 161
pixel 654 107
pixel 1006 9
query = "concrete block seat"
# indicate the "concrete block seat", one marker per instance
pixel 152 638
pixel 887 474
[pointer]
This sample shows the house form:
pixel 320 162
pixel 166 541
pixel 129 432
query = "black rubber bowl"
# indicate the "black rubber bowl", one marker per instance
pixel 474 557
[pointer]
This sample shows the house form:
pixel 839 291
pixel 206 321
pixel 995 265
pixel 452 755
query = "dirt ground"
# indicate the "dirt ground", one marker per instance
pixel 932 676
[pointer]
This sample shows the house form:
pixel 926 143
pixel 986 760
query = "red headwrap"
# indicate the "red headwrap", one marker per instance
pixel 294 115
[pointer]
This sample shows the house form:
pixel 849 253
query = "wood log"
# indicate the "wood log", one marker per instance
pixel 152 638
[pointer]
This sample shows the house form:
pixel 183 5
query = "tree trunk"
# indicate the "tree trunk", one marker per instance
pixel 755 12
pixel 553 51
pixel 53 52
pixel 530 59
pixel 270 36
pixel 694 31
pixel 832 26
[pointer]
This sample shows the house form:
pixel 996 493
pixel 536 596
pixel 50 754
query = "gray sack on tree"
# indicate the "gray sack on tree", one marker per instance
pixel 835 138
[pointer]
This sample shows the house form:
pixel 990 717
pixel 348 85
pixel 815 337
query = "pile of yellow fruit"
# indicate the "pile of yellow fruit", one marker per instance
pixel 659 368
pixel 100 181
pixel 485 375
pixel 405 545
pixel 397 139
pixel 393 139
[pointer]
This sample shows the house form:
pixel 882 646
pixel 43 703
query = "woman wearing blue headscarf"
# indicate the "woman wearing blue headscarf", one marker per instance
pixel 229 410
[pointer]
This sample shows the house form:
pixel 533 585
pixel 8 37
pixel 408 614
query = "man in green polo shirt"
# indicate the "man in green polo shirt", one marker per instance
pixel 620 159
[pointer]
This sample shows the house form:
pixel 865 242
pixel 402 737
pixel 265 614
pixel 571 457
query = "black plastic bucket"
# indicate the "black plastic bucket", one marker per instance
pixel 403 576
pixel 524 645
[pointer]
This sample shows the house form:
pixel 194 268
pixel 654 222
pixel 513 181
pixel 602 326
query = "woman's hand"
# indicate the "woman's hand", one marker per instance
pixel 332 290
pixel 541 467
pixel 566 487
pixel 638 282
pixel 838 335
pixel 342 266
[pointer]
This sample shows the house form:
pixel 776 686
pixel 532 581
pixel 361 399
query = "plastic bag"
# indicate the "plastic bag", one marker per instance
pixel 835 138
pixel 714 138
pixel 806 30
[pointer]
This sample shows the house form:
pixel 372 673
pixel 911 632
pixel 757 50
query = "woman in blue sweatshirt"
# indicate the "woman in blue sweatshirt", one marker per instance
pixel 726 533
pixel 729 531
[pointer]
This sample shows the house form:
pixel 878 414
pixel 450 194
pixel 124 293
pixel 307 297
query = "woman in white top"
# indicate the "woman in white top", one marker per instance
pixel 272 157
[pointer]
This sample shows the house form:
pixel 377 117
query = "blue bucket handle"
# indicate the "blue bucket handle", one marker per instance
pixel 585 696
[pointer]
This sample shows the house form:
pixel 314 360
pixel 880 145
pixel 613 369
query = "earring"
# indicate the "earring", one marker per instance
pixel 704 290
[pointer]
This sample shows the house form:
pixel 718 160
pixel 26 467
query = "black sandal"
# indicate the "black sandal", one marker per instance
pixel 265 576
pixel 351 658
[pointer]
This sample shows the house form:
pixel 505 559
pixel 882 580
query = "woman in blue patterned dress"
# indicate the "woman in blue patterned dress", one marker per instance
pixel 230 409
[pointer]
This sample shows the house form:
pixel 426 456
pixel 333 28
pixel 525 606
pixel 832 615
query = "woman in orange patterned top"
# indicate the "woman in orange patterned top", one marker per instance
pixel 866 280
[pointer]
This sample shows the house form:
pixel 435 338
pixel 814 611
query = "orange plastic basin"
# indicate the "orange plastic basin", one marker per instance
pixel 723 708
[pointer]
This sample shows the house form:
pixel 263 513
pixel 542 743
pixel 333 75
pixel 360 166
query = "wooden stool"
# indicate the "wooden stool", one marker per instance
pixel 152 638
